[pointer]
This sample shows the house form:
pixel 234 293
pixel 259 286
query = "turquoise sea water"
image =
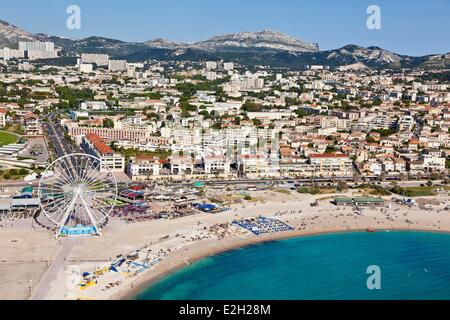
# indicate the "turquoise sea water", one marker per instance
pixel 414 265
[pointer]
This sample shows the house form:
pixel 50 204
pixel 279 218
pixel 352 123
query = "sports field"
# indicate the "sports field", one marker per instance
pixel 7 138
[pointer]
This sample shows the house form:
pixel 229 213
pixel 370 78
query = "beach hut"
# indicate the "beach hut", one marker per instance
pixel 205 207
pixel 367 202
pixel 343 201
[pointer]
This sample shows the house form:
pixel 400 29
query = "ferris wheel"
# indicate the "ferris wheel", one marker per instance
pixel 77 192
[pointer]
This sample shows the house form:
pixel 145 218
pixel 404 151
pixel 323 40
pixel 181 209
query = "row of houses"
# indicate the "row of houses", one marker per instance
pixel 326 165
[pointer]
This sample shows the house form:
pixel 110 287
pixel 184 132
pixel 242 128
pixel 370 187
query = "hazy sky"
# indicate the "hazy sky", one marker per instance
pixel 414 27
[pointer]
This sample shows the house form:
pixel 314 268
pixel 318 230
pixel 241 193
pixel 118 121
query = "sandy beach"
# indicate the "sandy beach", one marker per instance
pixel 178 242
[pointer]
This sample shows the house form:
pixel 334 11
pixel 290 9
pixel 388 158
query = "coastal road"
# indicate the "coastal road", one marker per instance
pixel 303 182
pixel 56 136
pixel 58 264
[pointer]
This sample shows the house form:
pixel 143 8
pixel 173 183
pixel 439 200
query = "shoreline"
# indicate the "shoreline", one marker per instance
pixel 150 280
pixel 180 242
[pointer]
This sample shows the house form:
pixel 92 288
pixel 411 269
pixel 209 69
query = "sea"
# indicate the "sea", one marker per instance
pixel 343 266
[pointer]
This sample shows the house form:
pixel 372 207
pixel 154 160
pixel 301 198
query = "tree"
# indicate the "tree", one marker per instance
pixel 108 123
pixel 216 126
pixel 257 122
pixel 251 107
pixel 331 149
pixel 205 114
pixel 342 186
pixel 73 96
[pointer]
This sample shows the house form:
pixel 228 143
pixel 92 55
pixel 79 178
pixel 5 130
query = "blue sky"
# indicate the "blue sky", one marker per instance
pixel 408 26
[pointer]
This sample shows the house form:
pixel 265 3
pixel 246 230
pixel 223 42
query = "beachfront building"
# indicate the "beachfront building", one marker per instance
pixel 181 165
pixel 256 165
pixel 216 165
pixel 433 163
pixel 94 145
pixel 143 167
pixel 359 202
pixel 332 164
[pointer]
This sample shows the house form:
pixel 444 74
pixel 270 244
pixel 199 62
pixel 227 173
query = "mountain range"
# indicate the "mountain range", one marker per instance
pixel 250 48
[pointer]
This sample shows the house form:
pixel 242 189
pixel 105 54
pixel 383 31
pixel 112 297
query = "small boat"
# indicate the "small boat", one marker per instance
pixel 370 230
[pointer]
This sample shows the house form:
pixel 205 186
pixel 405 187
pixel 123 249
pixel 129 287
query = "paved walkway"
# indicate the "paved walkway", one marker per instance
pixel 58 264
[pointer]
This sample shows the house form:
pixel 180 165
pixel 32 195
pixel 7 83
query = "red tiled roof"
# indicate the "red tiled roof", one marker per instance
pixel 31 115
pixel 328 155
pixel 99 143
pixel 146 158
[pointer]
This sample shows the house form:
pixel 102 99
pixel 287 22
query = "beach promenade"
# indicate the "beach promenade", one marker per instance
pixel 57 266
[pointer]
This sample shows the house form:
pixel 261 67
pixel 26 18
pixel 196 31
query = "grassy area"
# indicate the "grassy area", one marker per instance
pixel 13 174
pixel 375 190
pixel 414 191
pixel 283 191
pixel 15 129
pixel 317 190
pixel 7 138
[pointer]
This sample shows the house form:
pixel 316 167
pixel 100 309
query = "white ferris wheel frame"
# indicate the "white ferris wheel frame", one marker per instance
pixel 61 224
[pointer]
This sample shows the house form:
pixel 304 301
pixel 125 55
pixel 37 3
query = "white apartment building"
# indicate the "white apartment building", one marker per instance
pixel 253 83
pixel 7 54
pixel 32 124
pixel 101 60
pixel 276 115
pixel 225 107
pixel 186 137
pixel 406 123
pixel 94 145
pixel 256 165
pixel 109 135
pixel 93 105
pixel 117 65
pixel 181 165
pixel 85 67
pixel 214 141
pixel 433 163
pixel 375 167
pixel 36 46
pixel 228 66
pixel 216 164
pixel 211 65
pixel 331 164
pixel 38 50
pixel 140 168
pixel 35 55
pixel 388 165
pixel 2 117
